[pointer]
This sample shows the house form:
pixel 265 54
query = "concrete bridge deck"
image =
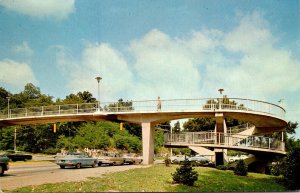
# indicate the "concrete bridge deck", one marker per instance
pixel 266 117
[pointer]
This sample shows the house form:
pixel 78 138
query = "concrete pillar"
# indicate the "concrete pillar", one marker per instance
pixel 148 142
pixel 220 127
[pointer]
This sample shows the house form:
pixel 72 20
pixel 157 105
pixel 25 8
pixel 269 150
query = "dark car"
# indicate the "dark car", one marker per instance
pixel 18 155
pixel 4 165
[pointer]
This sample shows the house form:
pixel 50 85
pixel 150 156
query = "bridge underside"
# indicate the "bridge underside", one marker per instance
pixel 265 123
pixel 250 150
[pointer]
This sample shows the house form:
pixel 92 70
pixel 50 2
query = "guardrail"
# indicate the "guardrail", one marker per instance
pixel 172 105
pixel 224 139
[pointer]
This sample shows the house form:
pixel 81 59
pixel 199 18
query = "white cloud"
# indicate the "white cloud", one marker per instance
pixel 164 67
pixel 262 69
pixel 15 74
pixel 98 60
pixel 244 61
pixel 41 8
pixel 23 49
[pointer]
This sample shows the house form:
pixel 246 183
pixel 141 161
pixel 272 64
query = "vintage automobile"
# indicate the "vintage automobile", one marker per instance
pixel 198 160
pixel 237 157
pixel 17 155
pixel 4 164
pixel 76 159
pixel 176 159
pixel 132 158
pixel 111 158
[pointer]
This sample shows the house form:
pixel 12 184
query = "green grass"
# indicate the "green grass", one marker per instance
pixel 158 178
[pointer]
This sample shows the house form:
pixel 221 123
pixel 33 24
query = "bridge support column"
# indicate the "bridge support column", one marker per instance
pixel 221 130
pixel 148 142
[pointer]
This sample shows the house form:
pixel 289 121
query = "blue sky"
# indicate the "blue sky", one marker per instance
pixel 142 49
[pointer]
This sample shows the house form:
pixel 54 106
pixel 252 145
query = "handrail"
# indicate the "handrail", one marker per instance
pixel 224 139
pixel 171 105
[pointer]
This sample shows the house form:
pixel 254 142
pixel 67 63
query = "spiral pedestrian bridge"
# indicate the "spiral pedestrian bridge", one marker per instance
pixel 266 118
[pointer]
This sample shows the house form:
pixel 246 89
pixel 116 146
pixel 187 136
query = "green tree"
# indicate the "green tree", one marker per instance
pixel 176 128
pixel 199 124
pixel 241 168
pixel 185 174
pixel 7 138
pixel 291 169
pixel 120 106
pixel 3 100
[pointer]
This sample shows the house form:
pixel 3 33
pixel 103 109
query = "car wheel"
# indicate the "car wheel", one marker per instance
pixel 62 167
pixel 94 164
pixel 1 170
pixel 99 164
pixel 78 166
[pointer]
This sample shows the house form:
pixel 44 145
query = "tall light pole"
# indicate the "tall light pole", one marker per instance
pixel 98 78
pixel 8 98
pixel 220 90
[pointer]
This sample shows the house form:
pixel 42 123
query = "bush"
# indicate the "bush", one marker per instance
pixel 185 174
pixel 51 151
pixel 291 169
pixel 276 169
pixel 167 161
pixel 241 168
pixel 222 167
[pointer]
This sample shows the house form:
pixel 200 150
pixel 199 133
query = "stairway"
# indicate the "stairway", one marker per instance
pixel 204 152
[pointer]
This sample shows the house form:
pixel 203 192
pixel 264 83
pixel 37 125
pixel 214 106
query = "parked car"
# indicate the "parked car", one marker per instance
pixel 178 158
pixel 199 160
pixel 77 160
pixel 132 158
pixel 17 155
pixel 111 158
pixel 4 164
pixel 237 157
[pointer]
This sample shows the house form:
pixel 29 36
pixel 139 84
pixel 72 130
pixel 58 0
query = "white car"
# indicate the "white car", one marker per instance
pixel 237 157
pixel 178 158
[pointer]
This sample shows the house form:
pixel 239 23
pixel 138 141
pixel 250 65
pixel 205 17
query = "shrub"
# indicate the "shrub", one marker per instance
pixel 291 169
pixel 276 169
pixel 185 174
pixel 241 168
pixel 167 161
pixel 222 167
pixel 51 151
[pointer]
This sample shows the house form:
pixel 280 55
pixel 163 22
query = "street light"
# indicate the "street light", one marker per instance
pixel 221 90
pixel 8 98
pixel 220 100
pixel 98 78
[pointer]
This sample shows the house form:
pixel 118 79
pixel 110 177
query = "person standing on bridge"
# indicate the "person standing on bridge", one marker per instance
pixel 158 104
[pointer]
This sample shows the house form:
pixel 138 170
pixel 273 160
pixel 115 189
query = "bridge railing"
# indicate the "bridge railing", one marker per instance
pixel 224 139
pixel 172 105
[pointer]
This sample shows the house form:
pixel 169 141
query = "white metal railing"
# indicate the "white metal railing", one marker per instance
pixel 225 139
pixel 172 105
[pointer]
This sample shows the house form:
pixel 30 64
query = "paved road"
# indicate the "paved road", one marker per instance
pixel 35 173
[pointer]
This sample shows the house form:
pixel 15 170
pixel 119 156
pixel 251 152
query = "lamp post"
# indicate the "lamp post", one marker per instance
pixel 8 98
pixel 98 78
pixel 220 90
